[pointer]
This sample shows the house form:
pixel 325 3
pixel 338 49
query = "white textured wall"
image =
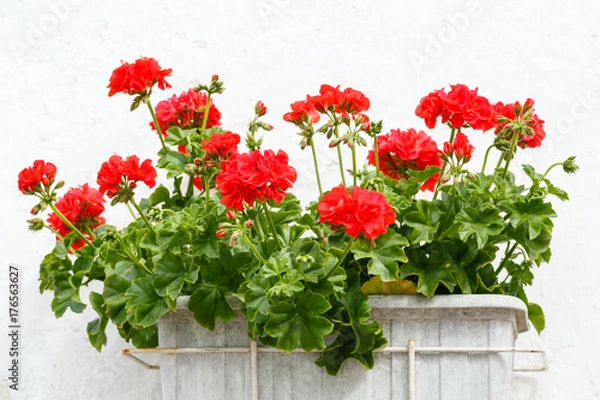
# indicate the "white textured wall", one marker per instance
pixel 56 57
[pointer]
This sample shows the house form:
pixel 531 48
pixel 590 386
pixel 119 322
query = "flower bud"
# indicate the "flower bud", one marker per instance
pixel 335 142
pixel 230 214
pixel 249 223
pixel 303 143
pixel 190 169
pixel 260 109
pixel 569 165
pixel 35 224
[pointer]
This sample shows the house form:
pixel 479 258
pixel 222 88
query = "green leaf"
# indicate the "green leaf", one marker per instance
pixel 359 312
pixel 384 256
pixel 468 260
pixel 530 171
pixel 116 284
pixel 96 328
pixel 335 274
pixel 173 161
pixel 480 223
pixel 160 195
pixel 423 175
pixel 172 271
pixel 424 221
pixel 208 303
pixel 536 316
pixel 66 295
pixel 357 337
pixel 140 337
pixel 561 194
pixel 144 303
pixel 432 267
pixel 300 324
pixel 255 297
pixel 221 277
pixel 51 266
pixel 532 214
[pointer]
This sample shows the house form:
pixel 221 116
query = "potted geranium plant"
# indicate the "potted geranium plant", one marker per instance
pixel 227 225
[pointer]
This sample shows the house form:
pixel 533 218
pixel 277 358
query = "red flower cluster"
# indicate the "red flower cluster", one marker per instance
pixel 116 171
pixel 460 147
pixel 400 151
pixel 138 77
pixel 460 106
pixel 531 119
pixel 250 176
pixel 40 174
pixel 348 102
pixel 362 211
pixel 185 111
pixel 221 145
pixel 82 207
pixel 302 111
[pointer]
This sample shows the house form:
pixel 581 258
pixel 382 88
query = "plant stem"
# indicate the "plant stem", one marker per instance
pixel 139 210
pixel 341 259
pixel 271 224
pixel 314 156
pixel 354 164
pixel 131 210
pixel 206 109
pixel 441 178
pixel 339 153
pixel 487 153
pixel 507 256
pixel 133 257
pixel 68 223
pixel 206 193
pixel 190 188
pixel 158 130
pixel 550 169
pixel 513 146
pixel 253 248
pixel 376 155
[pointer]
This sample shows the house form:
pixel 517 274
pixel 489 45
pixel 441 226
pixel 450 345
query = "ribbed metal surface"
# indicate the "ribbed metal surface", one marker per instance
pixel 438 376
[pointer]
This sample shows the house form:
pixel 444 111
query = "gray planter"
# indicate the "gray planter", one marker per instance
pixel 460 341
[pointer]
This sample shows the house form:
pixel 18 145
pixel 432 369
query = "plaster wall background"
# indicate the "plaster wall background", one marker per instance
pixel 56 57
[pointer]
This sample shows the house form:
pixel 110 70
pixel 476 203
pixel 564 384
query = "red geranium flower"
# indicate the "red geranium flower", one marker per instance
pixel 221 145
pixel 82 207
pixel 362 211
pixel 250 176
pixel 536 125
pixel 185 111
pixel 460 147
pixel 329 98
pixel 354 102
pixel 33 178
pixel 138 77
pixel 458 107
pixel 117 172
pixel 401 151
pixel 302 111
